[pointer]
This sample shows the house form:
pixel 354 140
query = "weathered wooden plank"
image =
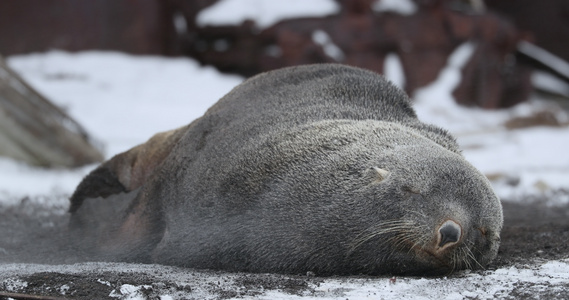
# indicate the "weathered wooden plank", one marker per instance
pixel 34 130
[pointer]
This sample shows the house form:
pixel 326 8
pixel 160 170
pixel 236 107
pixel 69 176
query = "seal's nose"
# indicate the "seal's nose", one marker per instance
pixel 449 233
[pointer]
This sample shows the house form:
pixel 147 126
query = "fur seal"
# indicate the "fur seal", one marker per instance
pixel 319 168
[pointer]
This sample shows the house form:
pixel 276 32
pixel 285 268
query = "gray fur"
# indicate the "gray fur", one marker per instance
pixel 321 168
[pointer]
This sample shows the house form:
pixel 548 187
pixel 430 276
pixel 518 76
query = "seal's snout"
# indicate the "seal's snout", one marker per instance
pixel 449 233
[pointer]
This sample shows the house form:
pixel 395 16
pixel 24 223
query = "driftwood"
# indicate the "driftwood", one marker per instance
pixel 34 130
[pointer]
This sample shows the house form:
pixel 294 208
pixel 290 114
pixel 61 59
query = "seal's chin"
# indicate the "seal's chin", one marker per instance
pixel 425 262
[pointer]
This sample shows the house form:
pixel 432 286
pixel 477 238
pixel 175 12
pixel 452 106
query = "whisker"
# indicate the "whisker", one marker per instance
pixel 467 263
pixel 471 255
pixel 454 260
pixel 391 227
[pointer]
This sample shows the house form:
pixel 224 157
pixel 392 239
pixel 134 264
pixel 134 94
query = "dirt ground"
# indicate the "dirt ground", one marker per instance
pixel 532 231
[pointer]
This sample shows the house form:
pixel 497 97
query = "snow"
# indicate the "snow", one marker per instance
pixel 545 57
pixel 264 12
pixel 122 100
pixel 448 79
pixel 129 292
pixel 18 180
pixel 322 38
pixel 402 7
pixel 393 70
pixel 550 83
pixel 552 276
pixel 12 285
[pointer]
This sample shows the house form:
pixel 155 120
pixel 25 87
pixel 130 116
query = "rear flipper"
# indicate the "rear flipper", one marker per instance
pixel 112 217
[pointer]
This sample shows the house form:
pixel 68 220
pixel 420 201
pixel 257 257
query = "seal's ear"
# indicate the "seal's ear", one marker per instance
pixel 376 175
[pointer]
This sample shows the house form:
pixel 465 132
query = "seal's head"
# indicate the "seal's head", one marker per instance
pixel 443 214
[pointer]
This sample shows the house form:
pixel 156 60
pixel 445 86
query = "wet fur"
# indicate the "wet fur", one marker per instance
pixel 321 168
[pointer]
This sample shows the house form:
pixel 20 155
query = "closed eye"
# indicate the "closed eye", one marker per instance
pixel 408 189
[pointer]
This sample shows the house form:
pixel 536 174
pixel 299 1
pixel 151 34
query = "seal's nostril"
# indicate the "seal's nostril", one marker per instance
pixel 449 233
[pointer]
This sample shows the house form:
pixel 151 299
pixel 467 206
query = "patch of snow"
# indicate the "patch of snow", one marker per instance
pixel 402 7
pixel 449 78
pixel 104 282
pixel 13 284
pixel 63 289
pixel 547 58
pixel 130 292
pixel 547 82
pixel 393 70
pixel 263 12
pixel 322 38
pixel 19 180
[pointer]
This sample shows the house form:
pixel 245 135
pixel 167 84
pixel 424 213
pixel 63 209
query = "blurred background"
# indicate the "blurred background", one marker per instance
pixel 493 72
pixel 513 37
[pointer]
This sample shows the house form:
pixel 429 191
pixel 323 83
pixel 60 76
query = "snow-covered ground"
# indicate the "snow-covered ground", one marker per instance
pixel 163 282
